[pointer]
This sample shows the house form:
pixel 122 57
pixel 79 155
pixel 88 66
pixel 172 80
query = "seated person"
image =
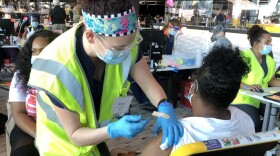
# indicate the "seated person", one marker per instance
pixel 213 89
pixel 172 26
pixel 23 98
pixel 262 73
pixel 34 26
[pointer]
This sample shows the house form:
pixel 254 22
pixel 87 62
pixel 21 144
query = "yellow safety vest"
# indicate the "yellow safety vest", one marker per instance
pixel 57 71
pixel 255 76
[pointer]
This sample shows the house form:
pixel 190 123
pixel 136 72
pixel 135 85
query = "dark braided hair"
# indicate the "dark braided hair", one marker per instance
pixel 23 61
pixel 220 76
pixel 255 34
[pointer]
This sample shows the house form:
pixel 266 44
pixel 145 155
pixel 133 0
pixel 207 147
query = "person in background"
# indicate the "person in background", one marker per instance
pixel 58 17
pixel 172 27
pixel 71 13
pixel 177 39
pixel 228 19
pixel 22 98
pixel 84 78
pixel 77 12
pixel 34 26
pixel 261 75
pixel 213 89
pixel 219 37
pixel 220 18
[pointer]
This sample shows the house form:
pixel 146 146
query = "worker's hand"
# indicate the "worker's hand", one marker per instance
pixel 254 87
pixel 171 128
pixel 128 126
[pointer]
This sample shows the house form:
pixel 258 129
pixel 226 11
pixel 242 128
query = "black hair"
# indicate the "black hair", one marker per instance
pixel 23 61
pixel 255 33
pixel 175 22
pixel 106 7
pixel 34 16
pixel 220 75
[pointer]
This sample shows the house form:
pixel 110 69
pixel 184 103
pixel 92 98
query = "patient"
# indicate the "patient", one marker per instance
pixel 23 98
pixel 214 87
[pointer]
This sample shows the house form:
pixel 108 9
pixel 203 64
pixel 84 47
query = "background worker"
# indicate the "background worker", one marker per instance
pixel 262 73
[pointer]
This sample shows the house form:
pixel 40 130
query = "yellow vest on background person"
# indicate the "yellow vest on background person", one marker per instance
pixel 58 71
pixel 277 73
pixel 255 76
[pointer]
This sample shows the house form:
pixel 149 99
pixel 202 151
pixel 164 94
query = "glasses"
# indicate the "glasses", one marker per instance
pixel 174 28
pixel 138 39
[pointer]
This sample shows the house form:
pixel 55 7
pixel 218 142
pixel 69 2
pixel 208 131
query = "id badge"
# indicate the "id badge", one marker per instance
pixel 121 104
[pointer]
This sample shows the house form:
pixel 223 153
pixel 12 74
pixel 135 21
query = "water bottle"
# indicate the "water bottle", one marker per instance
pixel 11 39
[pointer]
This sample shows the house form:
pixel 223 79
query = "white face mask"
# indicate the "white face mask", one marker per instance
pixel 190 95
pixel 33 59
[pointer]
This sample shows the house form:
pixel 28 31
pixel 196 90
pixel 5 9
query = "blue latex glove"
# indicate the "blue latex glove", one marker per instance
pixel 128 126
pixel 171 128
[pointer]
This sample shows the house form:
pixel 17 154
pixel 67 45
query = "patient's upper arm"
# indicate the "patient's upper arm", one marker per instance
pixel 152 148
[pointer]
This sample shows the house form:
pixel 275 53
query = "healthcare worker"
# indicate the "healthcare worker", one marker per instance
pixel 262 70
pixel 34 26
pixel 81 86
pixel 173 26
pixel 219 37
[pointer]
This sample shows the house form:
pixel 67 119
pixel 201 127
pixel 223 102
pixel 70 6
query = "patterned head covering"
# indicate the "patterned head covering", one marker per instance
pixel 113 25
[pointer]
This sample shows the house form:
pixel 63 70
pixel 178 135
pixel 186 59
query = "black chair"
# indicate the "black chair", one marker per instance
pixel 8 53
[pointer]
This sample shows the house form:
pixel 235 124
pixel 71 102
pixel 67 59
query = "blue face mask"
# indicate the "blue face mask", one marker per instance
pixel 33 58
pixel 266 49
pixel 34 24
pixel 171 32
pixel 113 57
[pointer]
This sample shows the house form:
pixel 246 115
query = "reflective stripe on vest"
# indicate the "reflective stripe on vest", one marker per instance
pixel 51 115
pixel 64 75
pixel 126 64
pixel 255 76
